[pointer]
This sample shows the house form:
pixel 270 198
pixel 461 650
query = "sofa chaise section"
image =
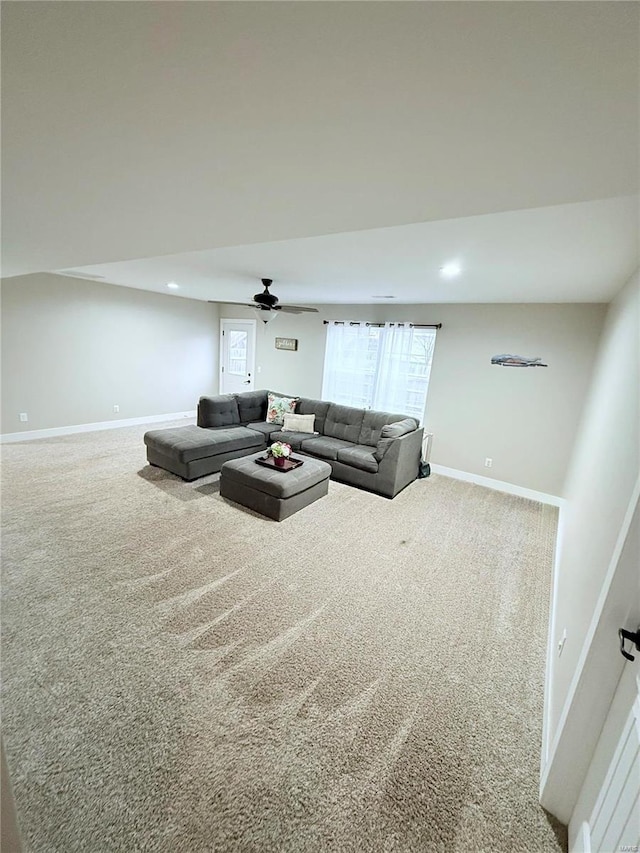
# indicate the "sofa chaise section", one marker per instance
pixel 192 452
pixel 228 426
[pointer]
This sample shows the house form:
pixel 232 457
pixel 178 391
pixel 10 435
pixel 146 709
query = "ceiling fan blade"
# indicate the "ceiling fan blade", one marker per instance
pixel 296 309
pixel 225 302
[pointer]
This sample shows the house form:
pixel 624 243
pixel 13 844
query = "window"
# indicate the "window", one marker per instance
pixel 238 352
pixel 379 367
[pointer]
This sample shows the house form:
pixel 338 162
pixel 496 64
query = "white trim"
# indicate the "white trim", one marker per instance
pixel 551 647
pixel 597 613
pixel 70 430
pixel 564 728
pixel 583 839
pixel 498 485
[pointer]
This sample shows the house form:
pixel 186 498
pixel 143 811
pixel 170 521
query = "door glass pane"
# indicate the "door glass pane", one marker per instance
pixel 238 342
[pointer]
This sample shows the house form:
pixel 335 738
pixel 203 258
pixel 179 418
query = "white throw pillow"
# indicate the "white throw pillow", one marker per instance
pixel 299 423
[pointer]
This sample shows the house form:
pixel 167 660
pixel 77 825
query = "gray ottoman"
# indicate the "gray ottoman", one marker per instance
pixel 276 494
pixel 191 451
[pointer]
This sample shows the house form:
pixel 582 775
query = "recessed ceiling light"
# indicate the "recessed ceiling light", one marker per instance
pixel 383 297
pixel 172 285
pixel 451 269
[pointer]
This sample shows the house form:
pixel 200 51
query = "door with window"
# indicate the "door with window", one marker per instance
pixel 237 355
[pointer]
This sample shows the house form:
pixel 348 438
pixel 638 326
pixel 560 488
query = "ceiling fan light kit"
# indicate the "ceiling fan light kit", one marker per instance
pixel 265 315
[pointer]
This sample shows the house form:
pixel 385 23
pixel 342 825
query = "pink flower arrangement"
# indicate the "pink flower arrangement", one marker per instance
pixel 279 449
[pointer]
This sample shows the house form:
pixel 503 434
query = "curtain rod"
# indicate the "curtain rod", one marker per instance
pixel 381 325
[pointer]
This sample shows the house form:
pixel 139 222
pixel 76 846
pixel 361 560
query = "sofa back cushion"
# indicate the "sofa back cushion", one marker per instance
pixel 343 422
pixel 319 408
pixel 218 411
pixel 372 425
pixel 252 406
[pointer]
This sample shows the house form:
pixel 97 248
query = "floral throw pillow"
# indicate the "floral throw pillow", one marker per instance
pixel 278 407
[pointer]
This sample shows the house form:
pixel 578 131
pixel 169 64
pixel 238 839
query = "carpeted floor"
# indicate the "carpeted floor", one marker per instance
pixel 181 674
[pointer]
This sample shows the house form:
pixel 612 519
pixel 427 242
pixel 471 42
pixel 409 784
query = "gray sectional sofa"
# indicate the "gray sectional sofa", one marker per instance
pixel 377 451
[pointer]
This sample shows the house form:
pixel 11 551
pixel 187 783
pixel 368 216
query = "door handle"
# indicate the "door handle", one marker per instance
pixel 247 382
pixel 633 637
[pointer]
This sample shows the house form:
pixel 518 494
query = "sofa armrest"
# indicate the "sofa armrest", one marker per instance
pixel 398 428
pixel 400 462
pixel 391 432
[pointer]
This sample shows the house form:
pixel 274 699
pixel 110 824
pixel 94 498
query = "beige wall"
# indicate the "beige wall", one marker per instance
pixel 524 419
pixel 72 349
pixel 603 472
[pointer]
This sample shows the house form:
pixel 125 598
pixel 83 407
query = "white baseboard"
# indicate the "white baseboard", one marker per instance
pixel 498 485
pixel 30 435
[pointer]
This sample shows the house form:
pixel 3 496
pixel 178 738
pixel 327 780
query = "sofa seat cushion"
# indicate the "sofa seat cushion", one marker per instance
pixel 343 422
pixel 295 439
pixel 188 443
pixel 265 428
pixel 359 456
pixel 324 447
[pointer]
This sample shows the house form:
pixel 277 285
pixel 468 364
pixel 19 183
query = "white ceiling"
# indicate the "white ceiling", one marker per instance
pixel 568 253
pixel 345 150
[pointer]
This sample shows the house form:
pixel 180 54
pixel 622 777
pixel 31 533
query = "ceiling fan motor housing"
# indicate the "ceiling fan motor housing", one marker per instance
pixel 266 299
pixel 267 304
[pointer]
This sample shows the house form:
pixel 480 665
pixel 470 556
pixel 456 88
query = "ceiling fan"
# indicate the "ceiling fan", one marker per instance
pixel 266 304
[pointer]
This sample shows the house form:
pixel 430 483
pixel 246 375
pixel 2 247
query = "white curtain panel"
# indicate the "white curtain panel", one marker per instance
pixel 394 369
pixel 383 368
pixel 350 366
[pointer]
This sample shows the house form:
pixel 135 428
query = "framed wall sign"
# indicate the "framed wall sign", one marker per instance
pixel 287 343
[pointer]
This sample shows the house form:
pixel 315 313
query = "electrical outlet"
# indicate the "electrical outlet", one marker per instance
pixel 23 417
pixel 116 409
pixel 562 641
pixel 488 462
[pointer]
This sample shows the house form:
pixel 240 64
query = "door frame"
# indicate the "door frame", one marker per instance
pixel 565 759
pixel 230 320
